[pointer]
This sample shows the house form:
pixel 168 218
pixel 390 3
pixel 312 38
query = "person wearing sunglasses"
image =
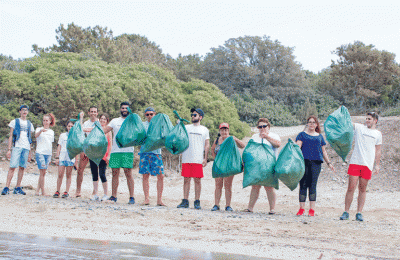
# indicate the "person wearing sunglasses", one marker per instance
pixel 151 164
pixel 274 141
pixel 195 157
pixel 366 154
pixel 312 145
pixel 226 181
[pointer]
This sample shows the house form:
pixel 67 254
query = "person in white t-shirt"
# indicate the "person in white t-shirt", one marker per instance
pixel 19 142
pixel 195 158
pixel 366 153
pixel 65 164
pixel 120 157
pixel 44 146
pixel 274 141
pixel 87 127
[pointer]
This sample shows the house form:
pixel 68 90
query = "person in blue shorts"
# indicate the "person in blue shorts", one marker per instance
pixel 151 164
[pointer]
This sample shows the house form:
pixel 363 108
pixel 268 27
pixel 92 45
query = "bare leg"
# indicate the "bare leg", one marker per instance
pixel 69 178
pixel 130 181
pixel 61 170
pixel 271 195
pixel 145 184
pixel 20 175
pixel 219 183
pixel 362 194
pixel 10 175
pixel 79 176
pixel 303 205
pixel 255 192
pixel 160 188
pixel 350 192
pixel 115 182
pixel 105 188
pixel 197 188
pixel 95 187
pixel 41 182
pixel 186 187
pixel 312 205
pixel 228 190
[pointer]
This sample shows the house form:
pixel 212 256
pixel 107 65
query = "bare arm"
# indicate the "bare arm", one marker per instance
pixel 326 158
pixel 58 154
pixel 239 143
pixel 206 150
pixel 213 149
pixel 299 143
pixel 37 134
pixel 10 143
pixel 107 129
pixel 378 153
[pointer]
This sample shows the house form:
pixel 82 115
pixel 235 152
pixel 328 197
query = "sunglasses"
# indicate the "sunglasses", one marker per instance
pixel 193 115
pixel 224 128
pixel 262 126
pixel 149 114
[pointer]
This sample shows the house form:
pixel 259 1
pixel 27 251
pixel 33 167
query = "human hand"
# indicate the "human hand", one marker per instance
pixel 331 167
pixel 8 154
pixel 29 157
pixel 376 170
pixel 107 159
pixel 81 114
pixel 204 162
pixel 57 162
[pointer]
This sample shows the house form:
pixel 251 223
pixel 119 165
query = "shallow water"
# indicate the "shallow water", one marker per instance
pixel 21 246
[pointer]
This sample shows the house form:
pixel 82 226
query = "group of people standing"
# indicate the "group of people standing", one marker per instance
pixel 366 155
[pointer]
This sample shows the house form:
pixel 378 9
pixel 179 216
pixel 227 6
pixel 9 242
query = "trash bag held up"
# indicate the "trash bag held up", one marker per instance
pixel 339 131
pixel 290 165
pixel 132 132
pixel 95 145
pixel 228 161
pixel 75 140
pixel 177 141
pixel 259 163
pixel 159 128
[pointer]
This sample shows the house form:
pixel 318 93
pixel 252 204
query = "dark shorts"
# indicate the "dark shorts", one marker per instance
pixel 151 163
pixel 360 171
pixel 192 170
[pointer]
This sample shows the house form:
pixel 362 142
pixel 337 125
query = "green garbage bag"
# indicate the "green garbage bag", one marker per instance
pixel 339 131
pixel 95 144
pixel 75 140
pixel 228 161
pixel 159 128
pixel 259 163
pixel 177 141
pixel 132 131
pixel 290 166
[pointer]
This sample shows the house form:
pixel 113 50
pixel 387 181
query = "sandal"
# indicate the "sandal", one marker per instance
pixel 247 210
pixel 56 195
pixel 271 212
pixel 65 195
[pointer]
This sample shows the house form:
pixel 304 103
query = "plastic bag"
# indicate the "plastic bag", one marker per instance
pixel 290 165
pixel 132 131
pixel 95 145
pixel 75 140
pixel 177 141
pixel 228 161
pixel 259 163
pixel 339 131
pixel 159 128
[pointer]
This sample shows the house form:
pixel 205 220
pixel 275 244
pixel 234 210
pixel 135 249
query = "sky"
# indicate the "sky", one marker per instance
pixel 313 28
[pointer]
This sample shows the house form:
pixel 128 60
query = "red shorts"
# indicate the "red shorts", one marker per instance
pixel 192 170
pixel 360 171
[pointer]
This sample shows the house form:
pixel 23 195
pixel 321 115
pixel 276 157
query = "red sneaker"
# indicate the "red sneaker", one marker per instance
pixel 301 212
pixel 311 213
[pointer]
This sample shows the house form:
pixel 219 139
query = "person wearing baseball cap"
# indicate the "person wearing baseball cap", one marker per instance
pixel 195 157
pixel 226 181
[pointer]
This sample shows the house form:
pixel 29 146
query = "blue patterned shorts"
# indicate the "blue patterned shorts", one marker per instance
pixel 151 163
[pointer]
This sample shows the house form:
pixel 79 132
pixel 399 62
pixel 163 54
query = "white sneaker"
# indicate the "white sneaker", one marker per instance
pixel 104 198
pixel 95 198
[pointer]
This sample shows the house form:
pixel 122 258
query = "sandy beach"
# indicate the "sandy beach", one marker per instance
pixel 279 236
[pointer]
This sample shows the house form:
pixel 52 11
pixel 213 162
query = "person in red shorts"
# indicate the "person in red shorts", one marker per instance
pixel 367 150
pixel 194 158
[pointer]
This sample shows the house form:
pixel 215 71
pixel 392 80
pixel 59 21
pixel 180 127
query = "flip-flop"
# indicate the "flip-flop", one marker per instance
pixel 247 210
pixel 78 196
pixel 161 205
pixel 271 213
pixel 146 204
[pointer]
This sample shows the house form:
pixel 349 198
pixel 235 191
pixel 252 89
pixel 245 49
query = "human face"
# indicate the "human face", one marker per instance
pixel 93 113
pixel 312 124
pixel 103 121
pixel 149 115
pixel 124 111
pixel 24 112
pixel 370 121
pixel 46 122
pixel 69 126
pixel 263 127
pixel 195 117
pixel 224 132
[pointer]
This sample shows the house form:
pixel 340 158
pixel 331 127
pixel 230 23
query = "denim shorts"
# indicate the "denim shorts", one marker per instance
pixel 19 157
pixel 66 163
pixel 42 161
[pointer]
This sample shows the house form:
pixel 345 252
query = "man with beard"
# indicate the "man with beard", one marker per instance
pixel 367 150
pixel 194 158
pixel 120 157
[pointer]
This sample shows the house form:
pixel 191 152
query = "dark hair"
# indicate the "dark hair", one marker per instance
pixel 317 129
pixel 218 136
pixel 264 120
pixel 124 104
pixel 93 107
pixel 106 116
pixel 52 119
pixel 374 115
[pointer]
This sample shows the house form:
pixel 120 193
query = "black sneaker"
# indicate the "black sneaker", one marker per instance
pixel 113 199
pixel 197 204
pixel 184 204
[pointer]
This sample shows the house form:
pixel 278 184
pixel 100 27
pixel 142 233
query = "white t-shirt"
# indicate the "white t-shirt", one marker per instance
pixel 88 124
pixel 115 124
pixel 256 138
pixel 197 138
pixel 44 141
pixel 62 141
pixel 23 141
pixel 365 140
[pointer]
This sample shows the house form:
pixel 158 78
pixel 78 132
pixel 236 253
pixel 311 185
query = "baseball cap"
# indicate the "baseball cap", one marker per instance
pixel 224 125
pixel 198 110
pixel 149 109
pixel 23 106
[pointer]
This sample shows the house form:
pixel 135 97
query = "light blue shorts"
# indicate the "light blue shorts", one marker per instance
pixel 42 161
pixel 66 163
pixel 19 157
